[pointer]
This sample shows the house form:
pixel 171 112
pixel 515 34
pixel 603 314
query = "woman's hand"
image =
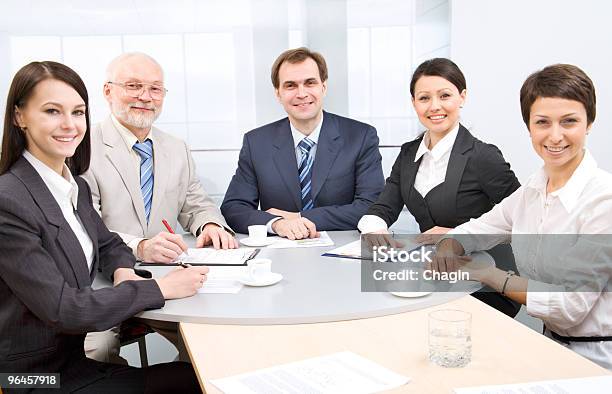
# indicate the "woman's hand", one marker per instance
pixel 433 235
pixel 123 274
pixel 182 282
pixel 450 257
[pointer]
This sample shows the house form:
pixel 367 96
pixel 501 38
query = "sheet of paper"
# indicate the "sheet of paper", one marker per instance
pixel 213 256
pixel 220 286
pixel 344 372
pixel 593 385
pixel 223 280
pixel 283 243
pixel 350 250
pixel 353 249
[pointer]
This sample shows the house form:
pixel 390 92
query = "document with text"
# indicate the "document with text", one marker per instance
pixel 352 250
pixel 593 385
pixel 223 280
pixel 323 240
pixel 344 372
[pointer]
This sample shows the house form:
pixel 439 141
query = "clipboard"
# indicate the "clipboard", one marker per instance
pixel 251 256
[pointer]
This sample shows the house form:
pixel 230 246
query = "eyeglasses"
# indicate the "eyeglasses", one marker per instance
pixel 136 89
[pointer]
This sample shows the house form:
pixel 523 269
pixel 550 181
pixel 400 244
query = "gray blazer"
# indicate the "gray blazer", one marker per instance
pixel 177 192
pixel 47 304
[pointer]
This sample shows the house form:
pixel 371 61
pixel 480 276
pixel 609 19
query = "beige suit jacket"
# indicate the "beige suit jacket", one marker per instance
pixel 177 192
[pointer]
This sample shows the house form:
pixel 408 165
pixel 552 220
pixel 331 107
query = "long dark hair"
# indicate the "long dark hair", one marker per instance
pixel 439 67
pixel 14 141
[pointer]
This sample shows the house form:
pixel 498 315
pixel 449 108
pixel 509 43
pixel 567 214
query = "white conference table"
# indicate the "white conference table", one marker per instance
pixel 314 289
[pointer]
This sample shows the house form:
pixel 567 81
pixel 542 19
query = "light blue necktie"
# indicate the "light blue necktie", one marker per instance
pixel 305 172
pixel 145 150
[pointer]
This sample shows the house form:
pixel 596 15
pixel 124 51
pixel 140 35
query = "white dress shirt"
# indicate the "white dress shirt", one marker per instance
pixel 65 191
pixel 298 136
pixel 431 173
pixel 582 206
pixel 130 139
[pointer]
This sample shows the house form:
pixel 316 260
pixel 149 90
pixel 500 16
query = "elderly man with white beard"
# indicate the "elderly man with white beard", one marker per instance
pixel 140 176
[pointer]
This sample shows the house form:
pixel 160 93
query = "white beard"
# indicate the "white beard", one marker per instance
pixel 138 120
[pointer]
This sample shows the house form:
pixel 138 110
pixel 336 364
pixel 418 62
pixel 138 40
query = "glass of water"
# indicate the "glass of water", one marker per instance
pixel 450 341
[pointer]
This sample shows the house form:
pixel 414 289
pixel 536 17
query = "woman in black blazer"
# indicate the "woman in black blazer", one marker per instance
pixel 446 176
pixel 52 244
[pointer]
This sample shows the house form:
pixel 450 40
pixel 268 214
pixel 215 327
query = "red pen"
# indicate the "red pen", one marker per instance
pixel 165 223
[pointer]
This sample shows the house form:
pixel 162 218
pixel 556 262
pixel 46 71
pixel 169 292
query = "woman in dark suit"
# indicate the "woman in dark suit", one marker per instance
pixel 446 176
pixel 52 244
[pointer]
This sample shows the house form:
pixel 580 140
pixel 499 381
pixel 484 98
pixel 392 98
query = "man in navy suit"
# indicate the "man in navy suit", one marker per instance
pixel 310 171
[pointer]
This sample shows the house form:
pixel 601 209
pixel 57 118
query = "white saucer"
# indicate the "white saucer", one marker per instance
pixel 411 294
pixel 273 278
pixel 250 242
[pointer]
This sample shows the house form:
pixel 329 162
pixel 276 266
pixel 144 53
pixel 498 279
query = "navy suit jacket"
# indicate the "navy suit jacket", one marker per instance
pixel 347 175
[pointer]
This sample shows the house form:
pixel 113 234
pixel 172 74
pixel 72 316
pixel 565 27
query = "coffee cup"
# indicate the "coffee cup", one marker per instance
pixel 258 233
pixel 259 269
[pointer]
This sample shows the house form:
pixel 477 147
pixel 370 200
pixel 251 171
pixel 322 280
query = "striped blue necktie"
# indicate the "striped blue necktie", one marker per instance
pixel 305 171
pixel 145 150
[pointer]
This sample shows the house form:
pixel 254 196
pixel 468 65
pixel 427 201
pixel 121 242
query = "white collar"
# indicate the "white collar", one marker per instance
pixel 299 136
pixel 61 186
pixel 441 148
pixel 128 137
pixel 570 193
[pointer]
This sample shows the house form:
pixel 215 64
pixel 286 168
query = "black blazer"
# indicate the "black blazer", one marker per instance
pixel 477 177
pixel 47 304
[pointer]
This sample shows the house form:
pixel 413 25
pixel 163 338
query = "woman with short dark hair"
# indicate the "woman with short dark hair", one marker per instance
pixel 558 222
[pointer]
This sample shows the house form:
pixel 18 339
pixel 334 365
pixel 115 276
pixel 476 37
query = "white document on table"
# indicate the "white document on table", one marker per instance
pixel 210 256
pixel 220 286
pixel 223 280
pixel 593 385
pixel 283 243
pixel 344 372
pixel 352 250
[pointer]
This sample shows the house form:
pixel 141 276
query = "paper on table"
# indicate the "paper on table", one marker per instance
pixel 220 286
pixel 352 250
pixel 223 280
pixel 593 385
pixel 344 372
pixel 282 243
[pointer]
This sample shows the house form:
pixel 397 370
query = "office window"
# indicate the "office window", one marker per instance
pixel 92 68
pixel 26 49
pixel 218 84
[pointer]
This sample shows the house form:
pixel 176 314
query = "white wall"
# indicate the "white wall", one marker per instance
pixel 498 44
pixel 217 56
